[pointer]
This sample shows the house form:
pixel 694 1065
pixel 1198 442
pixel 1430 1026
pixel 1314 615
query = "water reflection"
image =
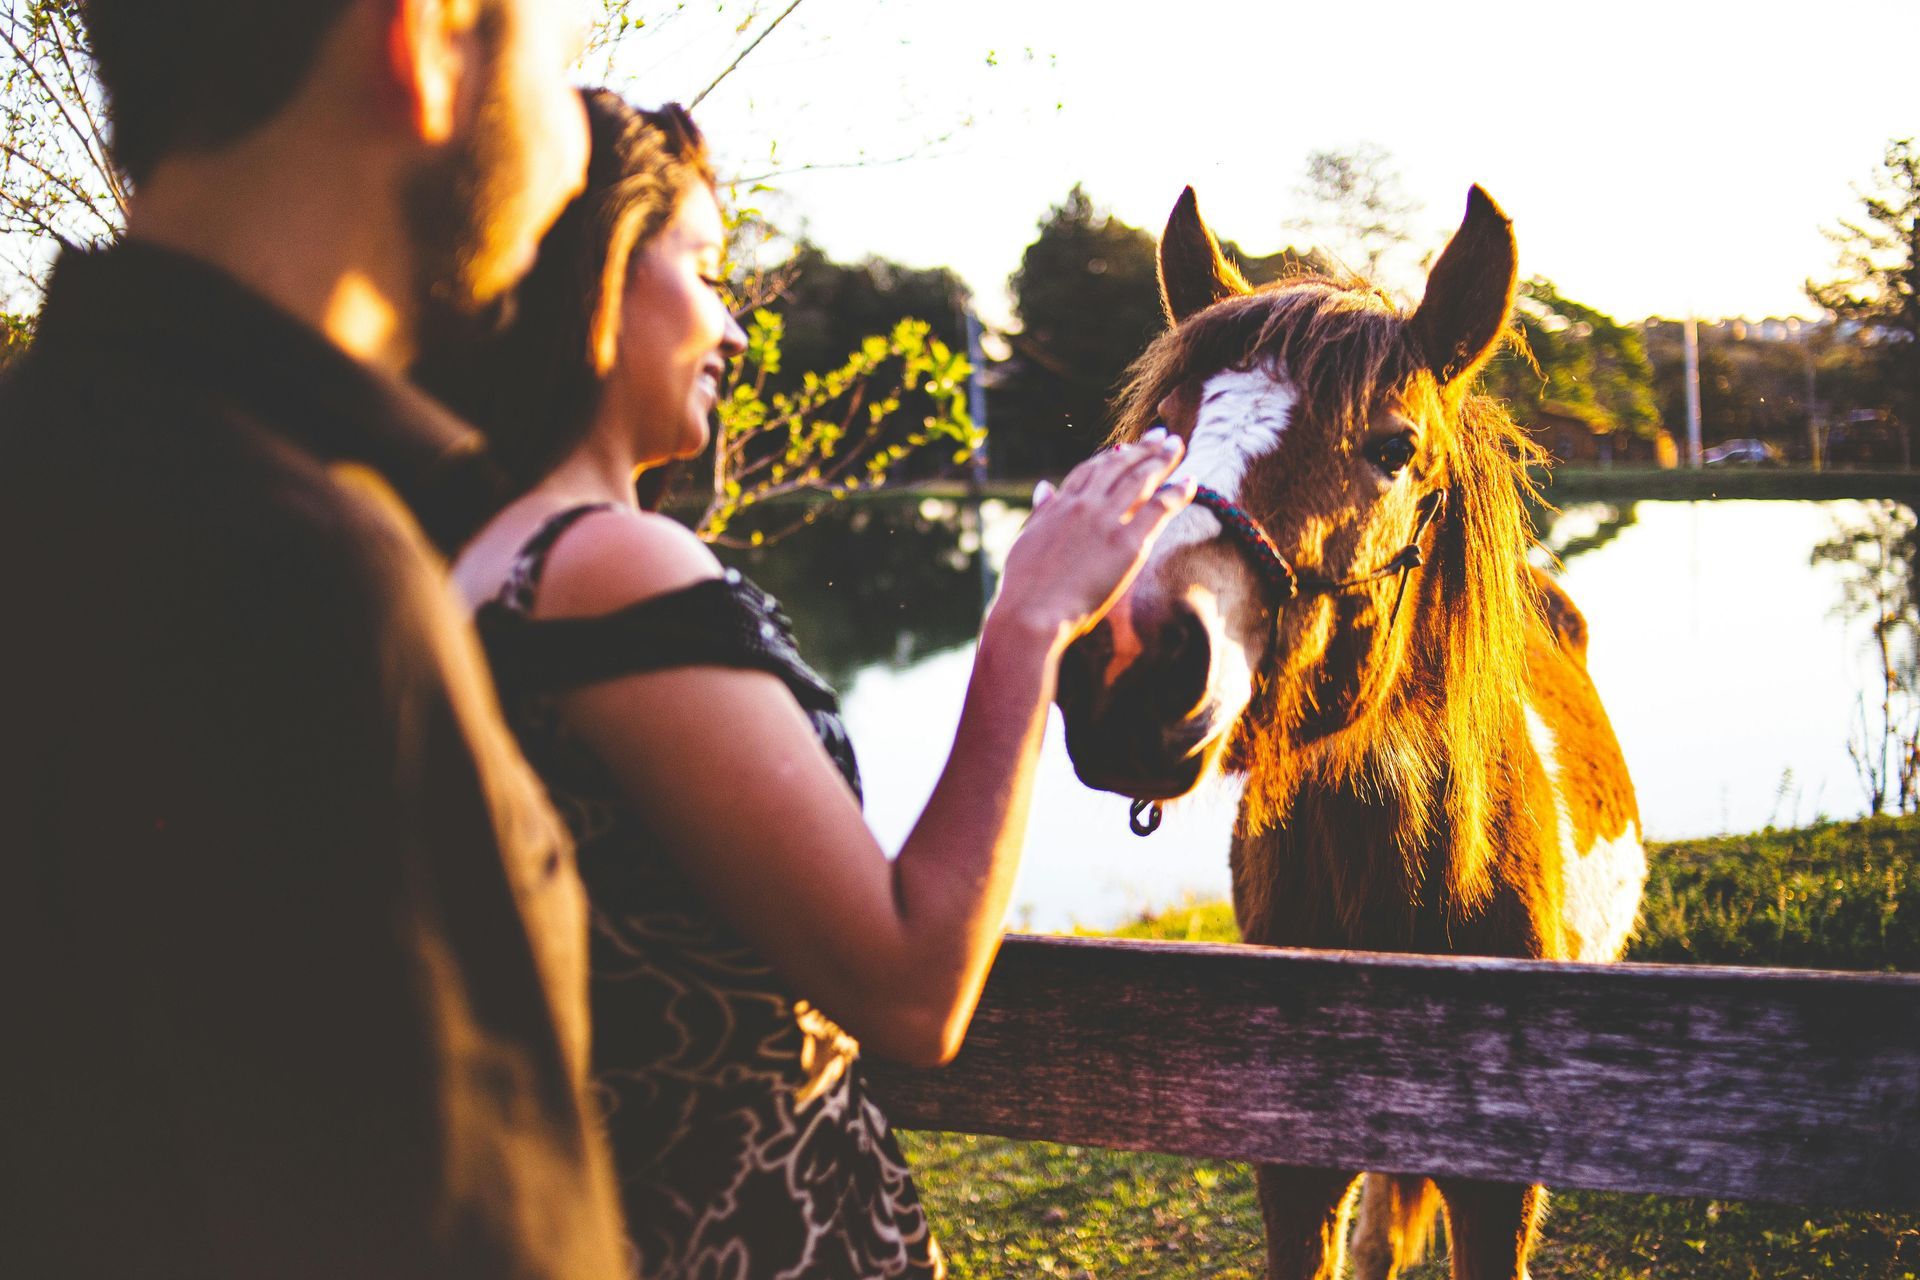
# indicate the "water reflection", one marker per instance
pixel 1731 679
pixel 875 583
pixel 1583 529
pixel 1876 549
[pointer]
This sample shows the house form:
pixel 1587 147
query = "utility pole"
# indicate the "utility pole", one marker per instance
pixel 1814 450
pixel 976 401
pixel 1692 330
pixel 977 464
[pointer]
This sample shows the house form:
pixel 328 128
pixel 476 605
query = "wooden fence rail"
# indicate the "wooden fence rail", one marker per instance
pixel 1759 1084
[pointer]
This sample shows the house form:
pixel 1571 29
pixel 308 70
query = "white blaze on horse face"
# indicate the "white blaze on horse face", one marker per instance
pixel 1242 415
pixel 1603 884
pixel 1229 667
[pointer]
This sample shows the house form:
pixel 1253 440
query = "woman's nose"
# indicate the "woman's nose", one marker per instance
pixel 733 340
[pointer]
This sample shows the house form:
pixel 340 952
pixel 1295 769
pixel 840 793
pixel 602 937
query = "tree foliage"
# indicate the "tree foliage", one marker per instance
pixel 1087 296
pixel 58 185
pixel 1877 275
pixel 832 430
pixel 1577 362
pixel 1356 205
pixel 839 432
pixel 1878 551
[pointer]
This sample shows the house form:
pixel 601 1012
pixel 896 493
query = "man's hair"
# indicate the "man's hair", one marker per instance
pixel 199 74
pixel 533 388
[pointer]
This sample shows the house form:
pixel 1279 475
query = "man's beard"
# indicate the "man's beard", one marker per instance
pixel 453 205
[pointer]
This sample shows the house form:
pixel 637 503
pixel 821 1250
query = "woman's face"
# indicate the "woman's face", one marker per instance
pixel 676 335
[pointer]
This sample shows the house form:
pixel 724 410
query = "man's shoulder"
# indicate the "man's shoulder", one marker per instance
pixel 165 460
pixel 222 540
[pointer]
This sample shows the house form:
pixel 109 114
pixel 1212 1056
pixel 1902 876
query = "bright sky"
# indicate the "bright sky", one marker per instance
pixel 1655 155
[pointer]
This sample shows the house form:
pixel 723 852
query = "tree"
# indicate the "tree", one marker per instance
pixel 1877 280
pixel 1357 205
pixel 1578 362
pixel 831 306
pixel 58 184
pixel 882 385
pixel 1087 295
pixel 1088 298
pixel 1286 263
pixel 1878 553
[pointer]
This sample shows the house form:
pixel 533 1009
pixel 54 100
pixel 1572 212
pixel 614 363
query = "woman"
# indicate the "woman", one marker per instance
pixel 743 912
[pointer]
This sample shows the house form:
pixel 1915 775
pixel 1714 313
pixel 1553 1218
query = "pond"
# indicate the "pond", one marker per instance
pixel 1734 674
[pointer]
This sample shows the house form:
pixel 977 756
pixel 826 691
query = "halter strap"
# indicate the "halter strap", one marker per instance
pixel 1271 565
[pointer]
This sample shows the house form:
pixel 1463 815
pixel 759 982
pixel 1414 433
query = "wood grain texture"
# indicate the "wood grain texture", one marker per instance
pixel 1737 1083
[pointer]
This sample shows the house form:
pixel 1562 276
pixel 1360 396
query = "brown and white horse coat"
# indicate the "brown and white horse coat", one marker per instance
pixel 1431 773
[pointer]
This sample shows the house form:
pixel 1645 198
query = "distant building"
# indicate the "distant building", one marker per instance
pixel 1572 437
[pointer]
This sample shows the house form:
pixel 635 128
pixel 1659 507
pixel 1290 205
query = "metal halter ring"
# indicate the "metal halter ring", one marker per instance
pixel 1144 817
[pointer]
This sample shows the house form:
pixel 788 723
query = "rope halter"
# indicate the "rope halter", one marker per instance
pixel 1290 585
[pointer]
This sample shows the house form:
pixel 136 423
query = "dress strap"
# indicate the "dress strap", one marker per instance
pixel 716 622
pixel 522 585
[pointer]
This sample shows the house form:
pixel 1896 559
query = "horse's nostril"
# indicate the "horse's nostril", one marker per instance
pixel 1081 665
pixel 1186 660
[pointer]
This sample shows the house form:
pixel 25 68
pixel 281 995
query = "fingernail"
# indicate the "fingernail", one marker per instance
pixel 1042 491
pixel 1154 434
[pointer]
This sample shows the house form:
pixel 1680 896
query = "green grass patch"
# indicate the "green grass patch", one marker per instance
pixel 1006 1209
pixel 1837 896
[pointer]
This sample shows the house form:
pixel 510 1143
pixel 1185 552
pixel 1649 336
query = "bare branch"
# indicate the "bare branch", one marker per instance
pixel 103 158
pixel 918 153
pixel 754 44
pixel 65 184
pixel 54 99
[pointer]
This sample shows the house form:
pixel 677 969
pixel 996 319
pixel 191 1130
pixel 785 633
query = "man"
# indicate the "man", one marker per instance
pixel 292 977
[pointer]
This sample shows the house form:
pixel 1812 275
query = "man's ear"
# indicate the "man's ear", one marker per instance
pixel 429 50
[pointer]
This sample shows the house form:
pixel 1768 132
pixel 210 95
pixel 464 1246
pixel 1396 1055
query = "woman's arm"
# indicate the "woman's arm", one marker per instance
pixel 728 770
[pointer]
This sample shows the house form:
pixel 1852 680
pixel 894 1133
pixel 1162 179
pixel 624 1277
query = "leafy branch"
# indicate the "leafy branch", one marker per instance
pixel 830 437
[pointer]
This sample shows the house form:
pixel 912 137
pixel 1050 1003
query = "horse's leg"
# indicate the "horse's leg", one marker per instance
pixel 1393 1225
pixel 1491 1226
pixel 1306 1216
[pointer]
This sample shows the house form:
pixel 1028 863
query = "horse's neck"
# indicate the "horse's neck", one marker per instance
pixel 1366 855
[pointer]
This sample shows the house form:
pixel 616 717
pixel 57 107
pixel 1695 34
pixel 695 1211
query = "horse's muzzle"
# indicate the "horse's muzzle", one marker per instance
pixel 1144 730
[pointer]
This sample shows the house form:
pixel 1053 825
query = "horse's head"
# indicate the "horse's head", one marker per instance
pixel 1332 419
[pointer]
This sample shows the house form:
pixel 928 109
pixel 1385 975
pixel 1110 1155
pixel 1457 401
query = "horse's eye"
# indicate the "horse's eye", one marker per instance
pixel 1392 454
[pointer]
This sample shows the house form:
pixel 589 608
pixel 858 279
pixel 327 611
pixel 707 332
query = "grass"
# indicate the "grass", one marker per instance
pixel 1837 896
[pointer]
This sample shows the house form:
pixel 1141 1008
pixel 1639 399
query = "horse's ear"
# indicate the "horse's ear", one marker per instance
pixel 1469 292
pixel 1194 274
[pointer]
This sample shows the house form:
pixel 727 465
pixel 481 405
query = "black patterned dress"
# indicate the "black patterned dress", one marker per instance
pixel 746 1144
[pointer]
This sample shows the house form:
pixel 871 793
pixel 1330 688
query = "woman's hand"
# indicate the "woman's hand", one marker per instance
pixel 1084 543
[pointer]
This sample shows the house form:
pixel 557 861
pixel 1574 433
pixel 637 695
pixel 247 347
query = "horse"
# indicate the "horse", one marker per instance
pixel 1348 618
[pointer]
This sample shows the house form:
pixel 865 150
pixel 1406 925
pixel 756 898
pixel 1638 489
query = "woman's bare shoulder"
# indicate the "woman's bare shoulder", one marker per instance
pixel 618 557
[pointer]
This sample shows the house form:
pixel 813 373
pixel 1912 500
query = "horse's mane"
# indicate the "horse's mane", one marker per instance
pixel 1342 344
pixel 1346 348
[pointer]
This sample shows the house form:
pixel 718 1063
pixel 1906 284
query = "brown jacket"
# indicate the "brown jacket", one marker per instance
pixel 291 949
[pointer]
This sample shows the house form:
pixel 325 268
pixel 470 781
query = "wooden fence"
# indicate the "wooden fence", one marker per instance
pixel 1761 1084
